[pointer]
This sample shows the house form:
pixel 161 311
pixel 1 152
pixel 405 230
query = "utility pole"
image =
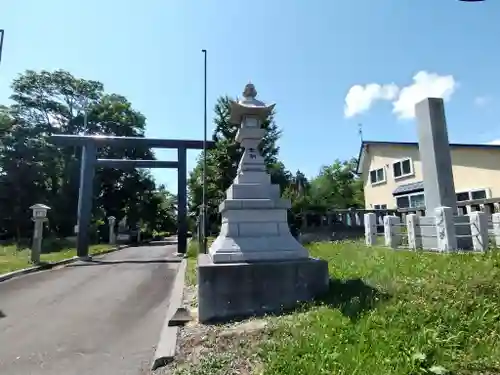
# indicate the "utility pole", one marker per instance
pixel 2 32
pixel 204 199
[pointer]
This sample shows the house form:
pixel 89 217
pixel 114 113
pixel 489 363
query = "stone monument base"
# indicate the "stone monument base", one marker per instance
pixel 229 291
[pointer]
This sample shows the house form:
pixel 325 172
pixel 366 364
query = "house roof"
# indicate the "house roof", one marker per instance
pixel 365 144
pixel 412 187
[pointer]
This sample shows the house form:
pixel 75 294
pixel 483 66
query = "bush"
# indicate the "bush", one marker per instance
pixel 55 245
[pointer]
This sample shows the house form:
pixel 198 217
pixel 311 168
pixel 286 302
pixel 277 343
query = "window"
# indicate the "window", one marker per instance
pixel 478 194
pixel 377 176
pixel 402 168
pixel 471 195
pixel 411 201
pixel 417 200
pixel 380 206
pixel 403 202
pixel 462 197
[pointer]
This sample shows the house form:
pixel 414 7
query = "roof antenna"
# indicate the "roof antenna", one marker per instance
pixel 360 132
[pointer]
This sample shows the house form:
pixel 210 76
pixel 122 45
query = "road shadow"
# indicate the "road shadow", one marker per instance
pixel 111 262
pixel 352 297
pixel 162 243
pixel 2 315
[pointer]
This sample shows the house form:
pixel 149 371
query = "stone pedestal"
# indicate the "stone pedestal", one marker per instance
pixel 255 266
pixel 237 290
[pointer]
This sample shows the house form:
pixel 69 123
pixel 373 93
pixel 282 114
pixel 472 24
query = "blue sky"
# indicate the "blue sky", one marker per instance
pixel 328 64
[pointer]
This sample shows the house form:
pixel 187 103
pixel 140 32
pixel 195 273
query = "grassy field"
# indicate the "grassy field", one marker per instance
pixel 192 253
pixel 12 259
pixel 387 312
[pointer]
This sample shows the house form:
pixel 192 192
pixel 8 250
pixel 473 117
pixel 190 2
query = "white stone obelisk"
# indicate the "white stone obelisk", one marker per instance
pixel 254 216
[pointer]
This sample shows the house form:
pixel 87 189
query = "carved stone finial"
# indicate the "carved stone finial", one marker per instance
pixel 249 92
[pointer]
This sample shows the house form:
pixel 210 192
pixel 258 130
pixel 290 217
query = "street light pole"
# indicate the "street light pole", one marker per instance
pixel 204 199
pixel 2 32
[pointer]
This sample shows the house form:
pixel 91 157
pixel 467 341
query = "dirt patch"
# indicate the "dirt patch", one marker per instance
pixel 224 349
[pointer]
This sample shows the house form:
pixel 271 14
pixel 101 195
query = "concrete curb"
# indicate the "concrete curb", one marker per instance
pixel 165 350
pixel 48 266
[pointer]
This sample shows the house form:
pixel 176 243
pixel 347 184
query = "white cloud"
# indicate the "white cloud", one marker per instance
pixel 425 85
pixel 359 98
pixel 494 142
pixel 482 101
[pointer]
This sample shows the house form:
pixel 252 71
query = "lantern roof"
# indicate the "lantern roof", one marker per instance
pixel 39 206
pixel 249 106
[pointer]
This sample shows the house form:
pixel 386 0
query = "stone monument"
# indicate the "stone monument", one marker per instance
pixel 437 172
pixel 255 266
pixel 435 156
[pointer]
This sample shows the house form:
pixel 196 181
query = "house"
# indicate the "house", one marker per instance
pixel 392 173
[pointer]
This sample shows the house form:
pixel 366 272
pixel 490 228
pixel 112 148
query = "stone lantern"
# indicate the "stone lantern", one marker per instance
pixel 255 265
pixel 39 216
pixel 254 216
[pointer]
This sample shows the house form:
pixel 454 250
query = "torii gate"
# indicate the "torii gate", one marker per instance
pixel 89 161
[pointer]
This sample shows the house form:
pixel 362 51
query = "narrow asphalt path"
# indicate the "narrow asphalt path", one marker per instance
pixel 101 317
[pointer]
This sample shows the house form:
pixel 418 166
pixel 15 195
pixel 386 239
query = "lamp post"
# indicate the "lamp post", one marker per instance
pixel 204 199
pixel 39 217
pixel 2 32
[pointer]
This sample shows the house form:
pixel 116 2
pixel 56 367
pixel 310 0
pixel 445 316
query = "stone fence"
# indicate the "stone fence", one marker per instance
pixel 442 232
pixel 338 224
pixel 349 223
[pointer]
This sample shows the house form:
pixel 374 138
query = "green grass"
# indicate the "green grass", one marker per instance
pixel 12 259
pixel 192 254
pixel 395 312
pixel 390 312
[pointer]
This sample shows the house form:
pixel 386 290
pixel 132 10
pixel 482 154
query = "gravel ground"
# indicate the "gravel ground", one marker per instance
pixel 227 349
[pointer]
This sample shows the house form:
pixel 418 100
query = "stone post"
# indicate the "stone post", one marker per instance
pixel 358 218
pixel 370 220
pixel 479 230
pixel 380 219
pixel 496 228
pixel 352 217
pixel 392 231
pixel 112 234
pixel 487 209
pixel 36 248
pixel 445 229
pixel 414 240
pixel 434 150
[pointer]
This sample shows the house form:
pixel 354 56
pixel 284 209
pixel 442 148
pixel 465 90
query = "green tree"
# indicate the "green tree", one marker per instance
pixel 32 170
pixel 336 186
pixel 298 191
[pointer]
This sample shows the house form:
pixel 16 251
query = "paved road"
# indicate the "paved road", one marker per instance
pixel 102 317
